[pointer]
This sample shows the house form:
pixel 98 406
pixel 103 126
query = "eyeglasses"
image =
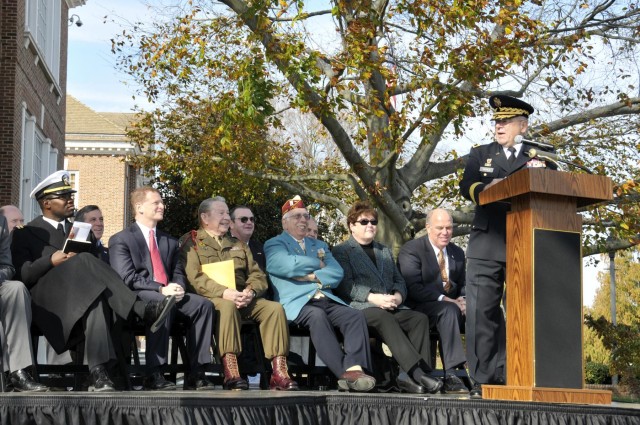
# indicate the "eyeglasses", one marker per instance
pixel 65 197
pixel 245 219
pixel 299 216
pixel 364 222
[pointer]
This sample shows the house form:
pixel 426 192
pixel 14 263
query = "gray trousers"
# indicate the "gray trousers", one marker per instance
pixel 15 320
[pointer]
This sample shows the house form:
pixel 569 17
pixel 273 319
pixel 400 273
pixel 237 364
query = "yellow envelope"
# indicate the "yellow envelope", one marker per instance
pixel 223 272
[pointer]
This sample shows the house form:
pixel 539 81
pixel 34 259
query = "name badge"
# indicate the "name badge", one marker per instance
pixel 486 169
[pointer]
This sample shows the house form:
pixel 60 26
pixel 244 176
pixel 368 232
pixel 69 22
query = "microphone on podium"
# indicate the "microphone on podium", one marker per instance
pixel 544 146
pixel 550 156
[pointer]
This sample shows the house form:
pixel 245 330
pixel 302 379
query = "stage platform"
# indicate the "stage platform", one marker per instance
pixel 305 408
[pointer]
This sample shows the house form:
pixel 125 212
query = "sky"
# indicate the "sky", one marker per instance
pixel 93 79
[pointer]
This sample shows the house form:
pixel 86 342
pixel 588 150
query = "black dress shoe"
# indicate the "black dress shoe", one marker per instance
pixel 498 380
pixel 431 384
pixel 22 381
pixel 155 312
pixel 198 381
pixel 99 380
pixel 454 385
pixel 236 384
pixel 156 382
pixel 408 385
pixel 476 391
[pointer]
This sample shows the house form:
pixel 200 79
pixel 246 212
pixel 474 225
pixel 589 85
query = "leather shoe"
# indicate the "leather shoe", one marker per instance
pixel 454 385
pixel 156 382
pixel 22 381
pixel 498 380
pixel 431 384
pixel 408 385
pixel 99 380
pixel 476 391
pixel 198 381
pixel 236 383
pixel 155 312
pixel 356 380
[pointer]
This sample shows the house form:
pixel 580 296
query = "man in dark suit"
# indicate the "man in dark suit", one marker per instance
pixel 74 294
pixel 434 270
pixel 15 321
pixel 148 262
pixel 91 214
pixel 242 226
pixel 486 253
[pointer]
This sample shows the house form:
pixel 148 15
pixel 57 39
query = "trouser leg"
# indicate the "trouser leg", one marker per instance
pixel 387 326
pixel 227 327
pixel 313 317
pixel 97 330
pixel 274 330
pixel 485 327
pixel 15 313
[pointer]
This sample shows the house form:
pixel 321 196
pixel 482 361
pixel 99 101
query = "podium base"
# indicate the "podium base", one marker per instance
pixel 547 395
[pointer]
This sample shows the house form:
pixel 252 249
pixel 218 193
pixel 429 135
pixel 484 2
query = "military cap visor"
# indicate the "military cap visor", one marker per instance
pixel 55 184
pixel 505 107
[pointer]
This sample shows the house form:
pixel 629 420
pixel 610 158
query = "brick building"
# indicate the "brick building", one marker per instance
pixel 96 157
pixel 33 73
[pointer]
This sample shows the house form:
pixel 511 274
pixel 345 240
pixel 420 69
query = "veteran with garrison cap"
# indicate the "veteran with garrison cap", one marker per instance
pixel 304 274
pixel 486 252
pixel 73 295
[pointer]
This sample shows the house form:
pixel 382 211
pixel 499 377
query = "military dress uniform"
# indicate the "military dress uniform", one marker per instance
pixel 201 248
pixel 204 249
pixel 486 251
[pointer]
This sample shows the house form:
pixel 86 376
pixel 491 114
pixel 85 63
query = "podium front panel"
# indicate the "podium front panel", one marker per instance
pixel 557 296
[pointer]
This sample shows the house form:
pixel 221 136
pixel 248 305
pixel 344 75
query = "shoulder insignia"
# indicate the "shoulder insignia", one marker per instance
pixel 476 145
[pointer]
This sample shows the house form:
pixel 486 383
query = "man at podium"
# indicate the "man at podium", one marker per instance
pixel 486 252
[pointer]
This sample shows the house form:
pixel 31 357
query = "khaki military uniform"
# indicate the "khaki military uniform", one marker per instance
pixel 200 248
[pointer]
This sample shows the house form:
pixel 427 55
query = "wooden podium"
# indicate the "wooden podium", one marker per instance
pixel 544 285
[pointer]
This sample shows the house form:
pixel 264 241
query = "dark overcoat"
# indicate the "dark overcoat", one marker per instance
pixel 61 295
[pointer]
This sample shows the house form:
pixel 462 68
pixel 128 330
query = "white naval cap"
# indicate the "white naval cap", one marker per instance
pixel 55 184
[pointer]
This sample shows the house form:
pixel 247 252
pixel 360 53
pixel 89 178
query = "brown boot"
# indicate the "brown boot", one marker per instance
pixel 280 379
pixel 232 378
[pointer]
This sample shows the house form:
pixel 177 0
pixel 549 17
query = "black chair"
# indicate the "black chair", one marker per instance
pixel 71 375
pixel 305 371
pixel 128 351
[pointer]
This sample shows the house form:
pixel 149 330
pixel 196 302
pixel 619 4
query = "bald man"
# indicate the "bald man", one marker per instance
pixel 13 215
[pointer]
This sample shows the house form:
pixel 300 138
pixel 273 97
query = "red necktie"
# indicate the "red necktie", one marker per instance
pixel 159 275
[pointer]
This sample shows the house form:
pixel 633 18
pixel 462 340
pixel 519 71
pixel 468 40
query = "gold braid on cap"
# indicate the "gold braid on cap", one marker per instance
pixel 503 113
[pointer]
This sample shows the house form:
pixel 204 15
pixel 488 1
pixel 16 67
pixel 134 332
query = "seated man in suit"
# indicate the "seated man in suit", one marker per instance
pixel 74 295
pixel 91 214
pixel 211 244
pixel 15 321
pixel 148 261
pixel 434 270
pixel 242 226
pixel 303 273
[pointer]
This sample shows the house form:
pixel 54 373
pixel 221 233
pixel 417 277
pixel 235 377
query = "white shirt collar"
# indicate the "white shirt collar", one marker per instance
pixel 54 223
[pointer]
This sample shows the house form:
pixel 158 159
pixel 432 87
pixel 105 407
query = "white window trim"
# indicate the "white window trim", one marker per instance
pixel 48 59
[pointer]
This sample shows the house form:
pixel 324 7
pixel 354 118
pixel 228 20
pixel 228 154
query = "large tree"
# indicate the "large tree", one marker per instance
pixel 399 90
pixel 627 271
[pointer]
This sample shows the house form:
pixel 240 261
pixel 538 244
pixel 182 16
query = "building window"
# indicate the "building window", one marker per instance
pixel 42 25
pixel 74 181
pixel 39 159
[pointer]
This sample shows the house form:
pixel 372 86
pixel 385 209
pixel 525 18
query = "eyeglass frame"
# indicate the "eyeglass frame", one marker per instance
pixel 365 222
pixel 245 219
pixel 298 216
